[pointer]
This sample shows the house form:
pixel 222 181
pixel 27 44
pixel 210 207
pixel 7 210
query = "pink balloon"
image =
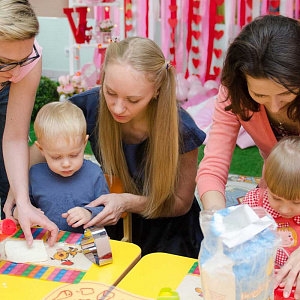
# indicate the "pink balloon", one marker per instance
pixel 181 92
pixel 211 84
pixel 195 90
pixel 193 78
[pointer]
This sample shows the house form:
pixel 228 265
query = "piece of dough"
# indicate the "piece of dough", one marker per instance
pixel 19 252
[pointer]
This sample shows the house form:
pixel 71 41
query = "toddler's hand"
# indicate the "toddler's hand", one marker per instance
pixel 77 216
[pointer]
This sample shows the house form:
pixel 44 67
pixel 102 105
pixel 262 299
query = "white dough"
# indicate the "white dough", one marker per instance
pixel 19 252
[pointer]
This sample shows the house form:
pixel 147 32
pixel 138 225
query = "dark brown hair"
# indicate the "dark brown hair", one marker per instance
pixel 268 47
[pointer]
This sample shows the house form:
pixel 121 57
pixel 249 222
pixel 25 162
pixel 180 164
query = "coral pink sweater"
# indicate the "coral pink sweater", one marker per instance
pixel 213 170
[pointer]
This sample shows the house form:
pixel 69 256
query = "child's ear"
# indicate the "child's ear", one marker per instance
pixel 38 145
pixel 86 139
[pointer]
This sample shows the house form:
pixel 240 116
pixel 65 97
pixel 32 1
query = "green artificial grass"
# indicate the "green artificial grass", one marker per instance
pixel 244 161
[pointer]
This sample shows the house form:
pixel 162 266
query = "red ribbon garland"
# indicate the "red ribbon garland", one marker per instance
pixel 173 17
pixel 189 35
pixel 242 14
pixel 211 36
pixel 126 9
pixel 147 18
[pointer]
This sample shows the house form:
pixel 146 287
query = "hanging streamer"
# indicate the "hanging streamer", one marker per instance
pixel 180 44
pixel 165 29
pixel 212 23
pixel 128 17
pixel 141 23
pixel 172 21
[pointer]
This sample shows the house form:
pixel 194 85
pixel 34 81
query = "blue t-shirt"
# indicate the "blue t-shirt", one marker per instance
pixel 55 194
pixel 177 235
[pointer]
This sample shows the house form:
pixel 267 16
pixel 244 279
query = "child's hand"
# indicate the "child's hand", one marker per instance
pixel 77 216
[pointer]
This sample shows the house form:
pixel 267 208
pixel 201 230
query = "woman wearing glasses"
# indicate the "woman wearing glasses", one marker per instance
pixel 20 72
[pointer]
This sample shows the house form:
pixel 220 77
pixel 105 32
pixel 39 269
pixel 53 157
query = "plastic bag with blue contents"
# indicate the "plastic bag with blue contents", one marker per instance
pixel 237 253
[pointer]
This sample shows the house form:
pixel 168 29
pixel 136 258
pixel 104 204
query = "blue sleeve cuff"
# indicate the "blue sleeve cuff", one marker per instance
pixel 95 210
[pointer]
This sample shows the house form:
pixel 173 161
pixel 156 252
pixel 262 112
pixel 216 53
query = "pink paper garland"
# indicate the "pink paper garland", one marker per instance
pixel 165 28
pixel 203 44
pixel 141 21
pixel 180 48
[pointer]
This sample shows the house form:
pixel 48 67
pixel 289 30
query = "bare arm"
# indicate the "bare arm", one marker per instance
pixel 213 200
pixel 16 151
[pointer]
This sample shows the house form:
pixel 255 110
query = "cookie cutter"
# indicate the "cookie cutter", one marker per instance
pixel 95 246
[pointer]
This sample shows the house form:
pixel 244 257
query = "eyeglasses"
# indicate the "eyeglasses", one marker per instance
pixel 22 63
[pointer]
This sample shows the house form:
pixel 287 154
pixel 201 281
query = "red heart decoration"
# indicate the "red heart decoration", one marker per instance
pixel 275 4
pixel 173 37
pixel 219 2
pixel 249 19
pixel 196 4
pixel 217 71
pixel 196 34
pixel 172 22
pixel 128 27
pixel 172 50
pixel 195 49
pixel 196 19
pixel 173 8
pixel 218 52
pixel 219 19
pixel 249 2
pixel 218 34
pixel 196 62
pixel 129 14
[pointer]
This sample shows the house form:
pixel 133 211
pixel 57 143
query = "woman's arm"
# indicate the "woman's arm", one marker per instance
pixel 35 158
pixel 117 204
pixel 213 170
pixel 16 151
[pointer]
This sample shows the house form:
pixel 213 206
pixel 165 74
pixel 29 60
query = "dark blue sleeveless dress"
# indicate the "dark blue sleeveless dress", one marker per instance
pixel 176 235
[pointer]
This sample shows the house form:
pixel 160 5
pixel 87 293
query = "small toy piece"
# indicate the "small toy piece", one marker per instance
pixel 278 294
pixel 8 227
pixel 167 294
pixel 95 246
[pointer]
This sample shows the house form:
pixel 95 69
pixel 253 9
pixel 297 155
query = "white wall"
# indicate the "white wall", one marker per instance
pixel 54 38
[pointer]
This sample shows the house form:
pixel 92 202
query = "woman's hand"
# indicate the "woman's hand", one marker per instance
pixel 9 204
pixel 288 275
pixel 112 212
pixel 30 216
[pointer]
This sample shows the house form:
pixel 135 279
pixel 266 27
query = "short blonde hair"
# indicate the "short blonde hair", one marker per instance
pixel 283 167
pixel 59 119
pixel 18 21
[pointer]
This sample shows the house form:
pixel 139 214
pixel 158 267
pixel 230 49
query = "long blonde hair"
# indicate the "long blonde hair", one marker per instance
pixel 162 152
pixel 18 21
pixel 282 169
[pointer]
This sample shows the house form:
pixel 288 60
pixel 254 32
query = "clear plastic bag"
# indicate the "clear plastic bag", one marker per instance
pixel 237 253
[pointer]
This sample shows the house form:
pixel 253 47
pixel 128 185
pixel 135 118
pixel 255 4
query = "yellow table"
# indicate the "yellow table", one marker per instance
pixel 125 256
pixel 155 271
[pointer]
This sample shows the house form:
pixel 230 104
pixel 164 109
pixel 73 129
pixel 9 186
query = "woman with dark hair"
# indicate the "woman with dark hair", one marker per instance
pixel 260 91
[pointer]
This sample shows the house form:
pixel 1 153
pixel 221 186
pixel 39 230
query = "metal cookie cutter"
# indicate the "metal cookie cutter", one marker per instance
pixel 95 246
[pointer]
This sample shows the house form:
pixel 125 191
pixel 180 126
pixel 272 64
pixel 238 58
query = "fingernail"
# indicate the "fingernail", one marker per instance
pixel 285 294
